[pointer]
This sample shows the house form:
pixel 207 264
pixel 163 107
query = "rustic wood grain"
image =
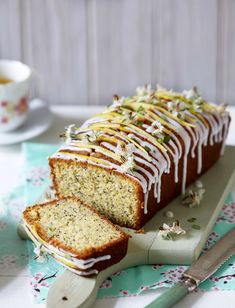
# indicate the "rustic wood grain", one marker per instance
pixel 226 52
pixel 184 41
pixel 83 52
pixel 55 46
pixel 10 30
pixel 122 47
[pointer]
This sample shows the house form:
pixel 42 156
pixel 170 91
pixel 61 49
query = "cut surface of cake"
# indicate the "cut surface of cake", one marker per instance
pixel 75 235
pixel 140 153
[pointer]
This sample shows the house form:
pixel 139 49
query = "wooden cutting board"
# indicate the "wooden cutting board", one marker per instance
pixel 71 290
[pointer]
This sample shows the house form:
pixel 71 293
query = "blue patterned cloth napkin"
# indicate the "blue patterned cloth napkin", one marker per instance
pixel 15 253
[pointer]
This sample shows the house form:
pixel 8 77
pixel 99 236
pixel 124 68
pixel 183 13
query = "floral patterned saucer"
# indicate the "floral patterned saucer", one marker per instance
pixel 38 121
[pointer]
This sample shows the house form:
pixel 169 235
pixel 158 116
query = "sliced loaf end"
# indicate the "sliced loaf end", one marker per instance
pixel 75 235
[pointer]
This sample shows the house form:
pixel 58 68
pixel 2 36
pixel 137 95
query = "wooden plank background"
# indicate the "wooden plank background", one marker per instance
pixel 83 51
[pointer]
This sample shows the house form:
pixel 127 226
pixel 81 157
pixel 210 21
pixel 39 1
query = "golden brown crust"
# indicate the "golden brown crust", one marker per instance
pixel 86 253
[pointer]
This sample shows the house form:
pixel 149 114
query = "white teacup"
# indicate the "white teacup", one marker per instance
pixel 14 90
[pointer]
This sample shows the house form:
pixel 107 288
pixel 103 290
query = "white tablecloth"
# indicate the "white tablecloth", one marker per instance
pixel 15 291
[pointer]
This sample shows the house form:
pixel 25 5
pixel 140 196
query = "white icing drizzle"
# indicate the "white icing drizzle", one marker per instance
pixel 226 126
pixel 71 147
pixel 92 121
pixel 214 127
pixel 136 134
pixel 81 273
pixel 220 124
pixel 149 165
pixel 142 180
pixel 175 156
pixel 109 146
pixel 100 150
pixel 82 264
pixel 65 256
pixel 162 163
pixel 177 142
pixel 203 132
pixel 158 161
pixel 195 137
pixel 67 156
pixel 218 127
pixel 146 203
pixel 187 142
pixel 159 187
pixel 149 176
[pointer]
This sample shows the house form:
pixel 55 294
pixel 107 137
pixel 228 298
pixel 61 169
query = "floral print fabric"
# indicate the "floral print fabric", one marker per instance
pixel 16 254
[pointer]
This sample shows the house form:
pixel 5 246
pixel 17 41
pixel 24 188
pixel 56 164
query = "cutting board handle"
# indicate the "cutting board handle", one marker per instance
pixel 72 291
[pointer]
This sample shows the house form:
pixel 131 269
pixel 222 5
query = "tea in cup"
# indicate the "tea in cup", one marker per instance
pixel 14 90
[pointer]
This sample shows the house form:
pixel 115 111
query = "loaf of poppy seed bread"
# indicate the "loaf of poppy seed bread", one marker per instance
pixel 75 235
pixel 140 153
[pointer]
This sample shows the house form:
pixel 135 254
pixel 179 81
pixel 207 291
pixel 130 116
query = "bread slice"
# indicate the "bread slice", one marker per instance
pixel 75 235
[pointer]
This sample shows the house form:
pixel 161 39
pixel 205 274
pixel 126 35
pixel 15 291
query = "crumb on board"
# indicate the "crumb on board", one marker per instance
pixel 140 231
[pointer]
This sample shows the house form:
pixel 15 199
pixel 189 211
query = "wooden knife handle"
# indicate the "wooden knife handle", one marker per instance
pixel 170 297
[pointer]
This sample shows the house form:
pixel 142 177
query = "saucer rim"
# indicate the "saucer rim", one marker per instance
pixel 20 138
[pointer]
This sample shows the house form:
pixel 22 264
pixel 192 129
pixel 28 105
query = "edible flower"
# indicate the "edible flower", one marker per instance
pixel 160 88
pixel 129 165
pixel 177 108
pixel 194 197
pixel 222 108
pixel 117 101
pixel 144 93
pixel 40 254
pixel 90 137
pixel 159 126
pixel 191 94
pixel 125 150
pixel 168 232
pixel 126 117
pixel 70 133
pixel 144 90
pixel 156 129
pixel 195 97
